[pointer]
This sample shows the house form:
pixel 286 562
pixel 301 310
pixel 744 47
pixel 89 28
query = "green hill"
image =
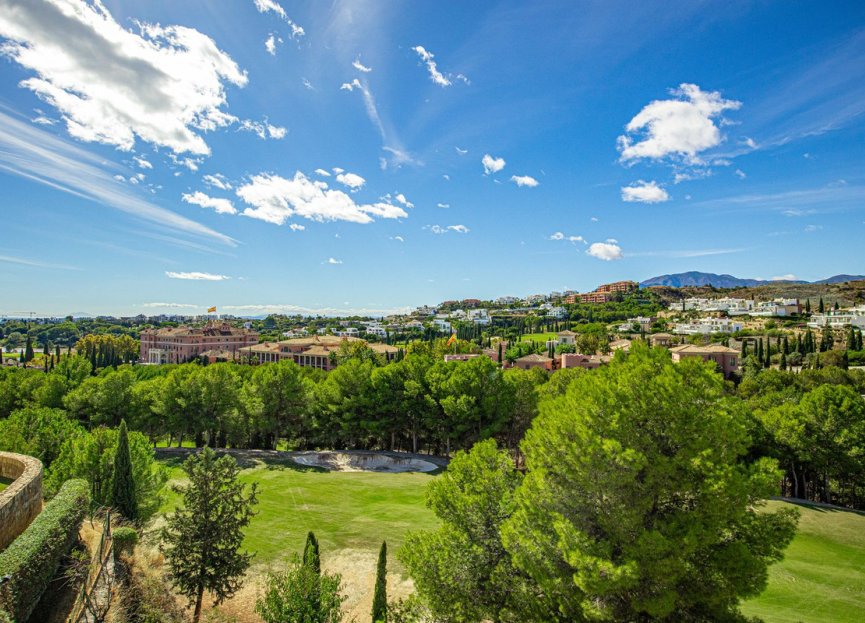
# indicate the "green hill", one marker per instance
pixel 822 577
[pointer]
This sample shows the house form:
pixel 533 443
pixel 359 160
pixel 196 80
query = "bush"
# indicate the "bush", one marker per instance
pixel 125 539
pixel 32 559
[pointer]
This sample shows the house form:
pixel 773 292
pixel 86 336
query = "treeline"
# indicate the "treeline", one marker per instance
pixel 812 421
pixel 418 404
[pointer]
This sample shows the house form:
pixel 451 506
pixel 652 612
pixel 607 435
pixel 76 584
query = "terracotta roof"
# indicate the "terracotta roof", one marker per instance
pixel 321 351
pixel 704 350
pixel 382 348
pixel 534 357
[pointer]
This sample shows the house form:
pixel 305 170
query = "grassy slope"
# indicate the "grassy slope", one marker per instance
pixel 351 510
pixel 822 577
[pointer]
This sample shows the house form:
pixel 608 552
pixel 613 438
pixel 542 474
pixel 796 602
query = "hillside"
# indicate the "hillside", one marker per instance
pixel 822 577
pixel 698 279
pixel 845 293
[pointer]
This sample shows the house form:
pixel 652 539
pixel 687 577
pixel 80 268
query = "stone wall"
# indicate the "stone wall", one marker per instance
pixel 21 501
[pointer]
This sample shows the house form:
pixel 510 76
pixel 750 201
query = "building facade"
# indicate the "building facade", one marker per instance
pixel 727 359
pixel 318 351
pixel 182 344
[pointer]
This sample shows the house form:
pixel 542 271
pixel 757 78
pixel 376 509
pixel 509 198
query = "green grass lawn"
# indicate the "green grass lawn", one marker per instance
pixel 822 577
pixel 346 510
pixel 539 337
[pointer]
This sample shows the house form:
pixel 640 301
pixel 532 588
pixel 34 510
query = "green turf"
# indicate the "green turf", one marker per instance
pixel 822 577
pixel 354 510
pixel 539 337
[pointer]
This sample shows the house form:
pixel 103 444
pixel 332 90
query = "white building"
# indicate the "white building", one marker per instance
pixel 506 300
pixel 441 325
pixel 425 310
pixel 732 306
pixel 839 319
pixel 347 332
pixel 479 316
pixel 533 299
pixel 777 307
pixel 559 313
pixel 643 324
pixel 705 326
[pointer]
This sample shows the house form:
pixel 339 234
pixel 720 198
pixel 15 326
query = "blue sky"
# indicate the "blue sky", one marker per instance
pixel 331 157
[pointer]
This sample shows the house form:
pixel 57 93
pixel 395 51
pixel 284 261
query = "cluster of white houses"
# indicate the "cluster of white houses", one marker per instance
pixel 839 319
pixel 740 307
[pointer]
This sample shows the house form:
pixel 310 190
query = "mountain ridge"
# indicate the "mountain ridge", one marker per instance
pixel 697 279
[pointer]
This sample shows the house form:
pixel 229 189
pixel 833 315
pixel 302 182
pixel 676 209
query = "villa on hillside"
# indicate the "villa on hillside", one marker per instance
pixel 726 358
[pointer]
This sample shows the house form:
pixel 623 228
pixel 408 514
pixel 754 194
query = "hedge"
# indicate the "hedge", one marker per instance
pixel 32 559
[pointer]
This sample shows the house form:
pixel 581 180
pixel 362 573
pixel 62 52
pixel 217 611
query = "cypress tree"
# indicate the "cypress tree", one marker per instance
pixel 786 350
pixel 782 364
pixel 820 307
pixel 760 350
pixel 379 600
pixel 28 350
pixel 311 556
pixel 836 307
pixel 57 351
pixel 122 482
pixel 744 352
pixel 807 306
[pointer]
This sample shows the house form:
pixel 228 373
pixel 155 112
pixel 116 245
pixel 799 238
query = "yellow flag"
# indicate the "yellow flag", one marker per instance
pixel 452 339
pixel 211 310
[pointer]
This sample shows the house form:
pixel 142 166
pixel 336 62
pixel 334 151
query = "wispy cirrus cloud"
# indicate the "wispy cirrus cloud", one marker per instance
pixel 37 155
pixel 442 80
pixel 196 276
pixel 23 261
pixel 271 6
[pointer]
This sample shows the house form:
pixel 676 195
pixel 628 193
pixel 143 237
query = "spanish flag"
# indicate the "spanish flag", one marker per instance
pixel 211 310
pixel 452 339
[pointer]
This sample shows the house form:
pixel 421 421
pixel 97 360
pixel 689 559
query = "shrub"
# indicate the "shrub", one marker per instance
pixel 32 559
pixel 125 539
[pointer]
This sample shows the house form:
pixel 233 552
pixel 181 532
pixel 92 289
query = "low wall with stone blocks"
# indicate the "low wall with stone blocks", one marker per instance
pixel 21 501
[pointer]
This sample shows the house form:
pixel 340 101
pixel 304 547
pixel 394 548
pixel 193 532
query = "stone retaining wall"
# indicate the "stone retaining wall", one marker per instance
pixel 21 501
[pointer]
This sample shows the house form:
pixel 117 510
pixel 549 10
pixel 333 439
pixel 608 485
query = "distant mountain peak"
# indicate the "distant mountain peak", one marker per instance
pixel 698 279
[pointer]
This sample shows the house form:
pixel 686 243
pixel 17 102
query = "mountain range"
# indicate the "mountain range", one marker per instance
pixel 694 278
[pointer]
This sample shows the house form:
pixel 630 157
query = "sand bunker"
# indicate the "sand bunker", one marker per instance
pixel 362 462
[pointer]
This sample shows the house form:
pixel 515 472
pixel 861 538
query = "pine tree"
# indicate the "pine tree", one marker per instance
pixel 202 540
pixel 311 557
pixel 122 483
pixel 836 307
pixel 379 600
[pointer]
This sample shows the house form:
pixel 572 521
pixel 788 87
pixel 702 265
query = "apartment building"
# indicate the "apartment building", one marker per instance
pixel 182 344
pixel 839 319
pixel 705 326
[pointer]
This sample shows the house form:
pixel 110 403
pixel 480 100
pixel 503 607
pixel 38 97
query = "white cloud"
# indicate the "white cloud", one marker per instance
pixel 438 229
pixel 322 172
pixel 338 170
pixel 740 174
pixel 142 162
pixel 644 192
pixel 524 180
pixel 352 180
pixel 350 86
pixel 171 305
pixel 443 205
pixel 491 164
pixel 398 238
pixel 308 85
pixel 812 228
pixel 750 142
pixel 263 129
pixel 360 66
pixel 217 180
pixel 446 177
pixel 222 206
pixel 435 75
pixel 270 43
pixel 274 199
pixel 163 84
pixel 331 260
pixel 296 227
pixel 43 120
pixel 461 152
pixel 606 251
pixel 265 6
pixel 681 127
pixel 196 276
pixel 787 277
pixel 401 199
pixel 561 236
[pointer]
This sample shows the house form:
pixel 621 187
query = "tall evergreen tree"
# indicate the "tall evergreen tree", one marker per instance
pixel 760 350
pixel 28 350
pixel 202 540
pixel 122 483
pixel 786 350
pixel 782 364
pixel 807 306
pixel 744 352
pixel 379 599
pixel 820 307
pixel 311 556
